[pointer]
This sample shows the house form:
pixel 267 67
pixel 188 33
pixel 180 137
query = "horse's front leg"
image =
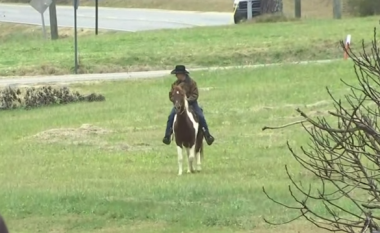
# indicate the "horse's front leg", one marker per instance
pixel 180 159
pixel 191 159
pixel 188 160
pixel 198 156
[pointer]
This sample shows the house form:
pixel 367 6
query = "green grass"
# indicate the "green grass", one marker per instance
pixel 207 46
pixel 82 182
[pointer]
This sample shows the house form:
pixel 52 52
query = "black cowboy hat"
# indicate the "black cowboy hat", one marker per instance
pixel 179 69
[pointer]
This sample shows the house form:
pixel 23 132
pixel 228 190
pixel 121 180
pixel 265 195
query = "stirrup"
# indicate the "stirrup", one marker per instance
pixel 209 140
pixel 205 132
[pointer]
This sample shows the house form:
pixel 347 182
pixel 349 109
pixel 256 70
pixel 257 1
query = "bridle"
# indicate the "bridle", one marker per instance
pixel 180 113
pixel 183 110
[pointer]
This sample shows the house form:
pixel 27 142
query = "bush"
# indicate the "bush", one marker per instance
pixel 273 18
pixel 42 96
pixel 363 7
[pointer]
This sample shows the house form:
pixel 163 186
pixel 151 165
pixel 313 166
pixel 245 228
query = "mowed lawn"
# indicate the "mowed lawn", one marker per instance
pixel 104 168
pixel 197 47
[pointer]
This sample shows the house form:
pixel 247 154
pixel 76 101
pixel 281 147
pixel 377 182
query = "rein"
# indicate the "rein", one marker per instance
pixel 181 112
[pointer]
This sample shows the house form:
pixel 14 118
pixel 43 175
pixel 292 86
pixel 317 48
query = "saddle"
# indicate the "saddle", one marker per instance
pixel 192 112
pixel 194 115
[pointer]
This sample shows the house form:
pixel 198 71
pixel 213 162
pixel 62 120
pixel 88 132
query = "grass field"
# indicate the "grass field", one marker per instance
pixel 310 8
pixel 105 169
pixel 196 47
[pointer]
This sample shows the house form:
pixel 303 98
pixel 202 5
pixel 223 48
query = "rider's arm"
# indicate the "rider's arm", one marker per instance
pixel 170 93
pixel 193 92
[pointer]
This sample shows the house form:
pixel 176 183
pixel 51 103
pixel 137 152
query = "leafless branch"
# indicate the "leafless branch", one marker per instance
pixel 284 126
pixel 344 156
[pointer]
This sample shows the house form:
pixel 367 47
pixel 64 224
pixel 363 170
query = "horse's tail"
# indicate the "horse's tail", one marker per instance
pixel 3 226
pixel 199 142
pixel 201 148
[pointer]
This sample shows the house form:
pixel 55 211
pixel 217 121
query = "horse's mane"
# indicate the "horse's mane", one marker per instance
pixel 178 88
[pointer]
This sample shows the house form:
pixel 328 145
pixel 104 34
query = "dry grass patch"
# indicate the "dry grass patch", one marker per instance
pixel 10 31
pixel 86 135
pixel 273 18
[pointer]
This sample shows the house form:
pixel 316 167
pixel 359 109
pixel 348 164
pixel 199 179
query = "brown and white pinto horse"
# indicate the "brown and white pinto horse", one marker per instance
pixel 187 132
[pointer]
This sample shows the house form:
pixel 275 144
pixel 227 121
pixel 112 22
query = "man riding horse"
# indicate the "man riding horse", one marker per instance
pixel 191 88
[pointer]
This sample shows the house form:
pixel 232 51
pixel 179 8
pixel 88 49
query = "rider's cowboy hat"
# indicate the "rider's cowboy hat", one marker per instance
pixel 179 69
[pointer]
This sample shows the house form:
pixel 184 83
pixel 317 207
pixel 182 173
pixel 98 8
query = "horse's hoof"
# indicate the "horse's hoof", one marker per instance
pixel 188 171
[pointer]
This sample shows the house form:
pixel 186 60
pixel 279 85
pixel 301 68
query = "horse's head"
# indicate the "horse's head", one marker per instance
pixel 179 97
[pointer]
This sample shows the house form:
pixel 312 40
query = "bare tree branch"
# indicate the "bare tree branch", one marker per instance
pixel 344 157
pixel 283 126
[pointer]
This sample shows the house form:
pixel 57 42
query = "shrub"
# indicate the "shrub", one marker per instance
pixel 363 7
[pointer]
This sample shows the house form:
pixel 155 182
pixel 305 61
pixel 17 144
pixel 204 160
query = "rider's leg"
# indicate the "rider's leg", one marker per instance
pixel 202 121
pixel 169 125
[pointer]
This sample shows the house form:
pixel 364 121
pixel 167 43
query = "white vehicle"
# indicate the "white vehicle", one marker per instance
pixel 240 8
pixel 235 3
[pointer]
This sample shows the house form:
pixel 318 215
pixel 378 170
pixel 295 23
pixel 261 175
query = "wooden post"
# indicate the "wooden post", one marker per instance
pixel 96 16
pixel 347 47
pixel 297 8
pixel 337 9
pixel 53 21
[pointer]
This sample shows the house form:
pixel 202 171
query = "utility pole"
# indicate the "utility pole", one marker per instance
pixel 297 8
pixel 53 20
pixel 337 9
pixel 76 5
pixel 96 16
pixel 249 9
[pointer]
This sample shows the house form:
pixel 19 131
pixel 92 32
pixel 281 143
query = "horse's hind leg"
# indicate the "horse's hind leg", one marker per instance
pixel 199 150
pixel 180 159
pixel 191 159
pixel 198 156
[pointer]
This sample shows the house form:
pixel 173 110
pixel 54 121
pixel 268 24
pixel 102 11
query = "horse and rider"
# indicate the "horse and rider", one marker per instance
pixel 191 88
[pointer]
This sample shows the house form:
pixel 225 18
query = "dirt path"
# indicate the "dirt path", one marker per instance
pixel 64 79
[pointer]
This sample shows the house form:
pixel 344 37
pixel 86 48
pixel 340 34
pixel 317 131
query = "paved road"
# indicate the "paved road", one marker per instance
pixel 65 79
pixel 116 18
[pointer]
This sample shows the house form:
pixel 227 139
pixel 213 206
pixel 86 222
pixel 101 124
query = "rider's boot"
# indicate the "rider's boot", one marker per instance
pixel 208 137
pixel 166 140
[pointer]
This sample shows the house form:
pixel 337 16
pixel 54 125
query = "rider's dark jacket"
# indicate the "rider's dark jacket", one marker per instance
pixel 190 86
